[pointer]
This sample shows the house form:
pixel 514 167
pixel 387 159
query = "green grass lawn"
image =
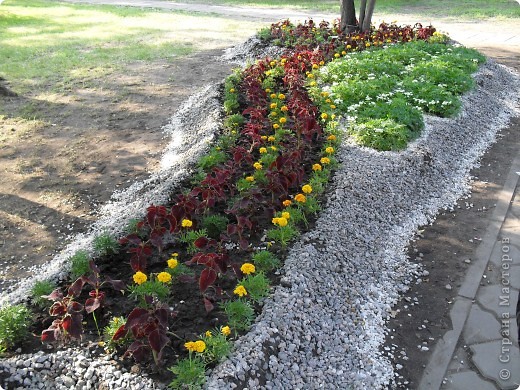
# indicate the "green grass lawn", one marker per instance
pixel 468 9
pixel 48 42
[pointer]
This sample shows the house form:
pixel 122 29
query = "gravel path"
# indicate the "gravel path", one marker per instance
pixel 324 325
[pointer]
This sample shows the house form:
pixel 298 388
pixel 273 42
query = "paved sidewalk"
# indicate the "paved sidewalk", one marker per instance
pixel 484 312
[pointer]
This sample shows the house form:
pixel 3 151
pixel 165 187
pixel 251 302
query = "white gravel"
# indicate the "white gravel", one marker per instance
pixel 325 325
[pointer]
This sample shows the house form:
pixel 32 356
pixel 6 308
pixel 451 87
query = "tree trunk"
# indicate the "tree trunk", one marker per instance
pixel 348 16
pixel 365 26
pixel 362 12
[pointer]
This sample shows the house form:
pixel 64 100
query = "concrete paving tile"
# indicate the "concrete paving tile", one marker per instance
pixel 465 381
pixel 499 299
pixel 459 362
pixel 499 362
pixel 481 326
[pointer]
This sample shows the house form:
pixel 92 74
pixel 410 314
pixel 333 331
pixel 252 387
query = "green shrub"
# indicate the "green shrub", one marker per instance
pixel 42 287
pixel 214 225
pixel 79 264
pixel 215 157
pixel 265 261
pixel 257 286
pixel 14 321
pixel 190 374
pixel 240 314
pixel 106 245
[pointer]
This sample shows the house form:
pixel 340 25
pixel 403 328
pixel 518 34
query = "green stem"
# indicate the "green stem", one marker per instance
pixel 95 321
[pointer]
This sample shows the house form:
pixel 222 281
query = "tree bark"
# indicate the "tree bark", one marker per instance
pixel 365 26
pixel 348 16
pixel 362 12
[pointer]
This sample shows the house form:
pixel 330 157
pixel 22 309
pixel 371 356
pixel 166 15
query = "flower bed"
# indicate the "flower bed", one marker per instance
pixel 199 267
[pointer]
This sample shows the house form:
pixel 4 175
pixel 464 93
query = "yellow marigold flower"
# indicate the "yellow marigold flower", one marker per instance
pixel 250 179
pixel 324 94
pixel 300 198
pixel 262 150
pixel 322 62
pixel 284 109
pixel 208 333
pixel 325 160
pixel 286 215
pixel 268 90
pixel 336 55
pixel 332 106
pixel 272 63
pixel 328 101
pixel 200 346
pixel 274 113
pixel 164 277
pixel 140 277
pixel 315 66
pixel 310 75
pixel 281 221
pixel 172 263
pixel 331 137
pixel 257 166
pixel 273 105
pixel 349 47
pixel 324 116
pixel 343 52
pixel 333 116
pixel 276 126
pixel 283 120
pixel 175 254
pixel 240 291
pixel 281 96
pixel 232 90
pixel 273 148
pixel 248 268
pixel 287 203
pixel 271 138
pixel 316 167
pixel 273 96
pixel 313 83
pixel 283 61
pixel 226 331
pixel 186 223
pixel 307 188
pixel 329 150
pixel 264 137
pixel 275 220
pixel 190 346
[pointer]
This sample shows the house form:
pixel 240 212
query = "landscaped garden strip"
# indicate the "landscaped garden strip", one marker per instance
pixel 252 194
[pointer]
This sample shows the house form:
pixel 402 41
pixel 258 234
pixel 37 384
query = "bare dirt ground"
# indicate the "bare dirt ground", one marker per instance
pixel 80 147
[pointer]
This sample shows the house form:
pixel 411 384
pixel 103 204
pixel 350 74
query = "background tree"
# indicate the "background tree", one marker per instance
pixel 349 23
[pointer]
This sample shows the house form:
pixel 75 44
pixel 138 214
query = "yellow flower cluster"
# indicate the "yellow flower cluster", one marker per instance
pixel 262 150
pixel 240 291
pixel 173 262
pixel 164 277
pixel 280 221
pixel 325 160
pixel 186 223
pixel 195 346
pixel 316 167
pixel 226 331
pixel 331 137
pixel 300 198
pixel 286 215
pixel 329 150
pixel 287 203
pixel 271 138
pixel 248 268
pixel 257 166
pixel 250 179
pixel 307 189
pixel 140 277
